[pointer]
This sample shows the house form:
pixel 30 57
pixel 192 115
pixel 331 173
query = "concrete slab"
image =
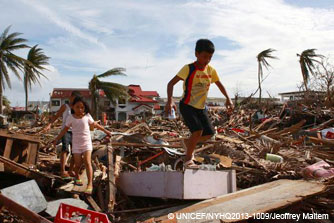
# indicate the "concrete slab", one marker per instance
pixel 26 194
pixel 190 184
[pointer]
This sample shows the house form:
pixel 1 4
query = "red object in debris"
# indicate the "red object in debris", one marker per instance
pixel 330 135
pixel 172 134
pixel 220 130
pixel 70 214
pixel 238 130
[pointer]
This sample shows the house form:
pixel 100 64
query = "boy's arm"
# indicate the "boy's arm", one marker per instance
pixel 229 104
pixel 54 118
pixel 61 134
pixel 170 104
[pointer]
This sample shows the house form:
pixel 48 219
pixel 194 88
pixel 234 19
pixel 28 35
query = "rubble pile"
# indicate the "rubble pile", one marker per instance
pixel 261 145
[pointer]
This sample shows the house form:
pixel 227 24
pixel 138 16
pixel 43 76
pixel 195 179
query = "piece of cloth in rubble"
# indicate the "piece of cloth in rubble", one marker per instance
pixel 81 141
pixel 327 133
pixel 196 84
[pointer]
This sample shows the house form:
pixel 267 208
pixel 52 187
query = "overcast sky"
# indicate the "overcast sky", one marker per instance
pixel 153 39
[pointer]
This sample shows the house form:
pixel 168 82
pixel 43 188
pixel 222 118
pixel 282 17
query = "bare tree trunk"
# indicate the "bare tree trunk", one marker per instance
pixel 259 80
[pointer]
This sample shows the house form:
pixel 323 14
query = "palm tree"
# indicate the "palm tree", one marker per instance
pixel 8 60
pixel 112 90
pixel 306 61
pixel 36 60
pixel 262 61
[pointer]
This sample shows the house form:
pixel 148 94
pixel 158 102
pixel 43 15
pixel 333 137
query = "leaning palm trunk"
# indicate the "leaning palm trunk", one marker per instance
pixel 26 92
pixel 259 80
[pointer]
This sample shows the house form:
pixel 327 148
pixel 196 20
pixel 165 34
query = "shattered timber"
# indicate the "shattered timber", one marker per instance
pixel 274 160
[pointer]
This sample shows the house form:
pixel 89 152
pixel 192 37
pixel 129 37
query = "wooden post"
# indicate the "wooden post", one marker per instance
pixel 111 180
pixel 32 153
pixel 8 148
pixel 2 167
pixel 92 202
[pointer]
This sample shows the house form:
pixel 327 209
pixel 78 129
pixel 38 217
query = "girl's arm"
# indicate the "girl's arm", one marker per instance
pixel 61 134
pixel 100 127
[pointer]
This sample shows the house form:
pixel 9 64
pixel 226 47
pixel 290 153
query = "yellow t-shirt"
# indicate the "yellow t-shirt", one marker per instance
pixel 196 84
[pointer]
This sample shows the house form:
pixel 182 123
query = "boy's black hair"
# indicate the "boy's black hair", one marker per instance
pixel 204 45
pixel 76 94
pixel 80 99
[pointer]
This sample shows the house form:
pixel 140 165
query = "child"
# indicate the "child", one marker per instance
pixel 82 147
pixel 65 112
pixel 197 78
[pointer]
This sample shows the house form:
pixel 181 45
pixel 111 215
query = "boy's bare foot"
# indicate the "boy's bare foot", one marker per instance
pixel 190 165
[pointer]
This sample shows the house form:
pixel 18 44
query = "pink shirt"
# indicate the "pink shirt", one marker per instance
pixel 81 139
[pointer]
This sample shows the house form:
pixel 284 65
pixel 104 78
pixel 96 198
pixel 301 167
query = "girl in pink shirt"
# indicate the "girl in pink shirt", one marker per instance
pixel 82 147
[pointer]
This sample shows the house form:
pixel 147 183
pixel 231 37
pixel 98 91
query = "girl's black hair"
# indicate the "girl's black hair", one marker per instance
pixel 80 99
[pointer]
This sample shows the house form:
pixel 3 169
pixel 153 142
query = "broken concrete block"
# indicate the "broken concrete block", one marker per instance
pixel 191 184
pixel 27 194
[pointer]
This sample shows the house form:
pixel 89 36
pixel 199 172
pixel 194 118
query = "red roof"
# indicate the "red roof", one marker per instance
pixel 136 90
pixel 142 105
pixel 66 92
pixel 138 95
pixel 157 107
pixel 18 108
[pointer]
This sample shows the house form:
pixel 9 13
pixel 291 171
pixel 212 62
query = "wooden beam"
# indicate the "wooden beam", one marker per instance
pixel 259 199
pixel 21 211
pixel 32 153
pixel 144 145
pixel 111 179
pixel 5 133
pixel 2 167
pixel 101 197
pixel 94 205
pixel 8 148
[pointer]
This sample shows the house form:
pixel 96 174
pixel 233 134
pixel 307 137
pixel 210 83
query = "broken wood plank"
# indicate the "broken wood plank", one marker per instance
pixel 111 179
pixel 228 139
pixel 204 148
pixel 259 199
pixel 133 129
pixel 321 141
pixel 291 129
pixel 8 148
pixel 32 153
pixel 17 168
pixel 258 134
pixel 2 167
pixel 92 203
pixel 144 145
pixel 4 133
pixel 21 211
pixel 100 197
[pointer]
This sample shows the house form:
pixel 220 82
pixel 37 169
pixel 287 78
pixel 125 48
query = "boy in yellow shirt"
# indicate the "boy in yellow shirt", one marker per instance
pixel 196 78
